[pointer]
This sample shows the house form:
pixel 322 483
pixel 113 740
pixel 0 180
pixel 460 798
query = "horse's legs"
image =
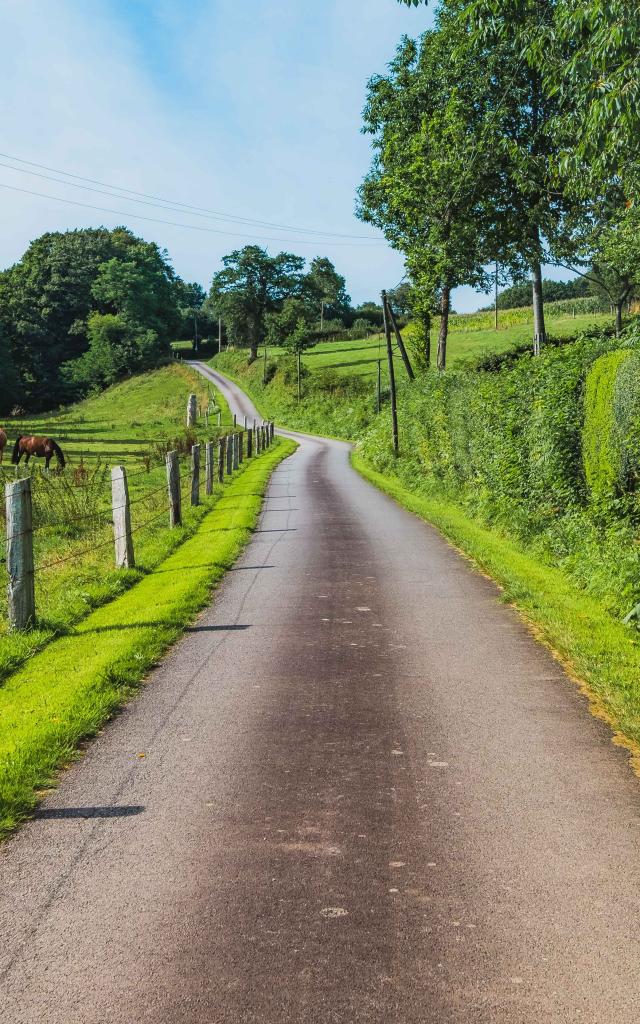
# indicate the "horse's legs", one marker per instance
pixel 26 458
pixel 47 460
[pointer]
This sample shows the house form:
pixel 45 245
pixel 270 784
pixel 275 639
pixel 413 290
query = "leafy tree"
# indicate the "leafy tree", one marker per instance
pixel 610 246
pixel 48 296
pixel 8 377
pixel 291 326
pixel 252 285
pixel 329 288
pixel 428 120
pixel 117 348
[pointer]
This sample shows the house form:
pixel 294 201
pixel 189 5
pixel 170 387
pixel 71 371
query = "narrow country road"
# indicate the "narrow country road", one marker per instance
pixel 367 795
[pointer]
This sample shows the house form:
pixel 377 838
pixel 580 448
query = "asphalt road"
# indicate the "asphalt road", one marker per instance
pixel 367 795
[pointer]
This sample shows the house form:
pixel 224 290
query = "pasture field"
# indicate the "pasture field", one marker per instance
pixel 131 423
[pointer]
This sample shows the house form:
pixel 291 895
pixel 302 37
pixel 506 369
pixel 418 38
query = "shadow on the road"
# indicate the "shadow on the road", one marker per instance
pixel 156 622
pixel 125 811
pixel 245 568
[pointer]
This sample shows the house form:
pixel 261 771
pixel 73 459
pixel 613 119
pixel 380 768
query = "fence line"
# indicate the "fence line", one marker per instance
pixel 223 458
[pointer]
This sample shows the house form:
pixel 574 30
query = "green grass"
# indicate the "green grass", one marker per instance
pixel 66 692
pixel 129 423
pixel 594 646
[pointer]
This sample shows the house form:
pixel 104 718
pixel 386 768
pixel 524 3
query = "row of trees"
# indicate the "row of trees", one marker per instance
pixel 84 308
pixel 508 135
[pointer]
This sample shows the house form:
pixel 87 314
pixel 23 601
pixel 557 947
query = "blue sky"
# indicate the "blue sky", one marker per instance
pixel 244 107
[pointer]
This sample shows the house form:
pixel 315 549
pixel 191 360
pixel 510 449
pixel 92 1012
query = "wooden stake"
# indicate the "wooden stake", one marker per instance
pixel 403 352
pixel 195 474
pixel 192 410
pixel 230 446
pixel 221 457
pixel 249 443
pixel 21 589
pixel 392 377
pixel 208 468
pixel 173 487
pixel 121 512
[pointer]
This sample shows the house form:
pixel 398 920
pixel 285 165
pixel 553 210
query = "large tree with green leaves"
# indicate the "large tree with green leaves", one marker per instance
pixel 328 288
pixel 251 285
pixel 432 166
pixel 46 300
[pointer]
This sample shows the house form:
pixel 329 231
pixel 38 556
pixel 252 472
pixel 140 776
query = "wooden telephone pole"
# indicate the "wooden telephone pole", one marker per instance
pixel 392 376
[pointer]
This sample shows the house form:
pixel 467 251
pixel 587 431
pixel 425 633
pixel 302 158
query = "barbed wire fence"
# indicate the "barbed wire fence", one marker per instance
pixel 187 475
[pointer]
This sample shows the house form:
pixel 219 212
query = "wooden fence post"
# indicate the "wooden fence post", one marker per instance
pixel 236 450
pixel 121 518
pixel 21 589
pixel 241 447
pixel 229 454
pixel 258 441
pixel 208 470
pixel 192 410
pixel 272 429
pixel 221 456
pixel 195 474
pixel 173 487
pixel 249 443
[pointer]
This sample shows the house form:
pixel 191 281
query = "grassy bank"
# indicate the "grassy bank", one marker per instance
pixel 594 646
pixel 66 692
pixel 130 424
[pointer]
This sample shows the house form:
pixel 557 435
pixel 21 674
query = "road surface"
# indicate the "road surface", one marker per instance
pixel 367 795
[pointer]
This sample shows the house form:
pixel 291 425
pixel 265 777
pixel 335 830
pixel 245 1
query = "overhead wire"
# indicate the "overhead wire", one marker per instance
pixel 168 204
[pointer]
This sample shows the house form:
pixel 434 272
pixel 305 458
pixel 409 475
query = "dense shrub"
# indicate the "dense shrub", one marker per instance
pixel 602 447
pixel 508 446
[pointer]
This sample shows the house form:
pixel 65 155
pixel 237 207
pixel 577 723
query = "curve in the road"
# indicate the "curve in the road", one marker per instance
pixel 366 795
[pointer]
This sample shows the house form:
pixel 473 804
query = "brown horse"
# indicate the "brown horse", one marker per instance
pixel 3 442
pixel 45 447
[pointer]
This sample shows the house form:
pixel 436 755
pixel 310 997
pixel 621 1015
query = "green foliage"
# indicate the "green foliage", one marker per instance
pixel 117 348
pixel 508 446
pixel 46 300
pixel 518 295
pixel 252 285
pixel 601 444
pixel 626 411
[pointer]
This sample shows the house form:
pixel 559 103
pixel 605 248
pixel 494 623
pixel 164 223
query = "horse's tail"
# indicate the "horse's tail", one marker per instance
pixel 58 450
pixel 16 452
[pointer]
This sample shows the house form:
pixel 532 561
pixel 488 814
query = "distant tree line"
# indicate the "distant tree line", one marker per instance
pixel 518 295
pixel 509 134
pixel 82 309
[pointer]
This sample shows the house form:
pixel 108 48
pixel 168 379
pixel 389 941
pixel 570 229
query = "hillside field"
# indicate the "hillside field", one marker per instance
pixel 131 423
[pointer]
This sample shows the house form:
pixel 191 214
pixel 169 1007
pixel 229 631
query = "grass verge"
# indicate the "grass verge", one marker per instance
pixel 599 652
pixel 66 693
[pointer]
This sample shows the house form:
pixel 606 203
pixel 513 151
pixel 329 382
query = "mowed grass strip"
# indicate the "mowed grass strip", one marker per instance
pixel 600 652
pixel 66 692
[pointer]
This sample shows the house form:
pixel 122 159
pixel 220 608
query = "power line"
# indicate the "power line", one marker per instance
pixel 191 227
pixel 197 211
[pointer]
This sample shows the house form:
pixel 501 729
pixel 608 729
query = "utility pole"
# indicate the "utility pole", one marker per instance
pixel 264 372
pixel 299 355
pixel 219 335
pixel 195 332
pixel 403 352
pixel 379 386
pixel 392 376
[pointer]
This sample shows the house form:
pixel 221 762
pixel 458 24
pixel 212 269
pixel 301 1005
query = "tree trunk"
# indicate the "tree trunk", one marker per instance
pixel 426 327
pixel 445 306
pixel 619 305
pixel 539 331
